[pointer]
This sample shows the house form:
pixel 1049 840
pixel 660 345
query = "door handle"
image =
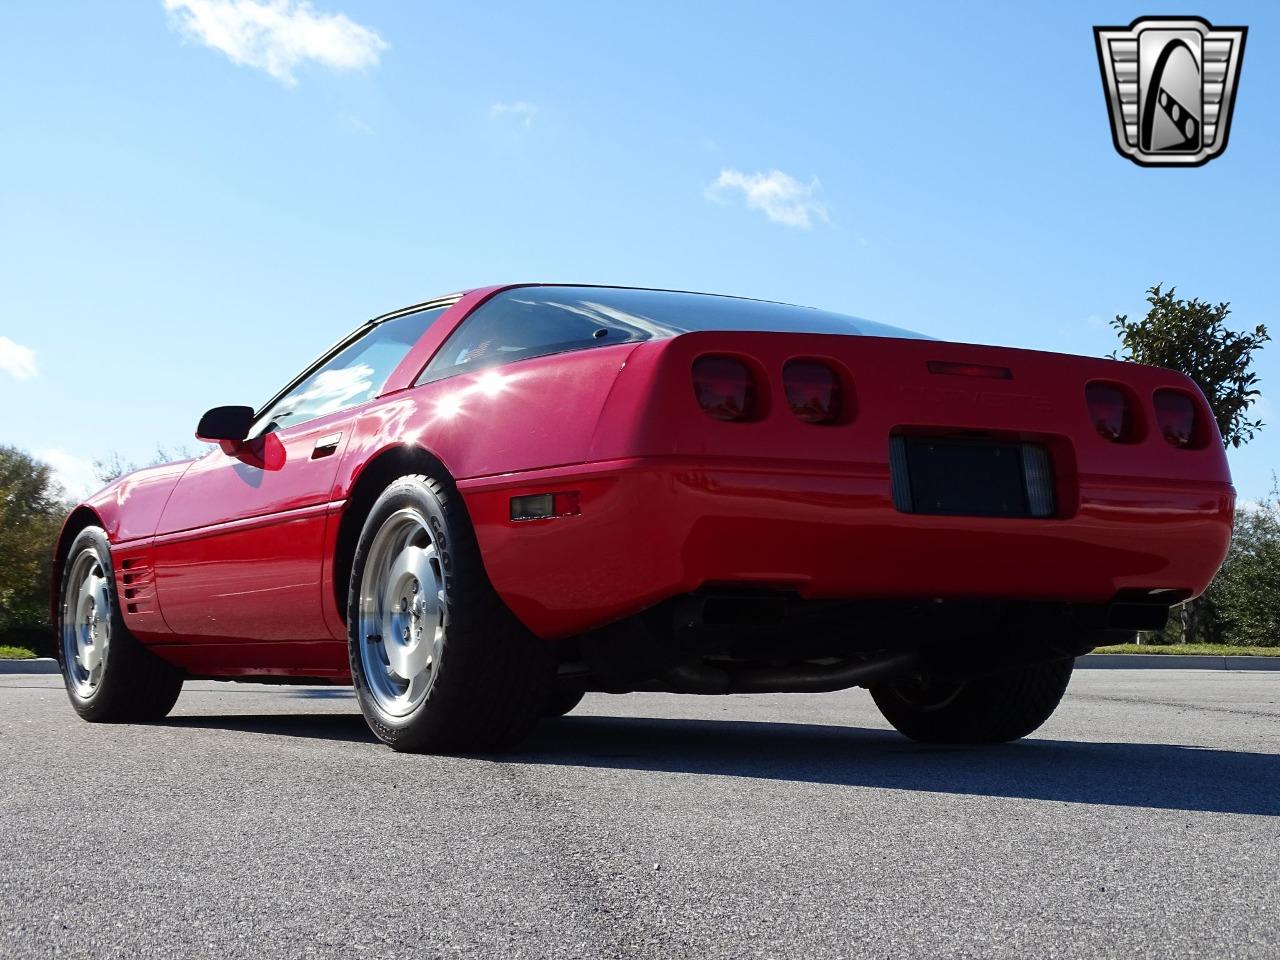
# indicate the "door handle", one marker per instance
pixel 325 446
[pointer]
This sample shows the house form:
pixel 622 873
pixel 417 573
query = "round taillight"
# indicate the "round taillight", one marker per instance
pixel 813 389
pixel 725 388
pixel 1176 417
pixel 1109 411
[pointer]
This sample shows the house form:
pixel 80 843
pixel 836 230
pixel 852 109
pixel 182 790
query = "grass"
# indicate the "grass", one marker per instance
pixel 1192 649
pixel 8 652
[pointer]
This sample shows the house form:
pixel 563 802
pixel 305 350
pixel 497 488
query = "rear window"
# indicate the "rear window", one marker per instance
pixel 537 321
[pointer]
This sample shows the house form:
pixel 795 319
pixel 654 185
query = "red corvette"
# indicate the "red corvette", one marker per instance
pixel 477 508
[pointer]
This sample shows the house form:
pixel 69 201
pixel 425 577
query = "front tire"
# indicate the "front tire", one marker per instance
pixel 437 660
pixel 993 709
pixel 110 677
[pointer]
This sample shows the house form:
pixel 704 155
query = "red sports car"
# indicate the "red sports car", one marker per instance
pixel 478 508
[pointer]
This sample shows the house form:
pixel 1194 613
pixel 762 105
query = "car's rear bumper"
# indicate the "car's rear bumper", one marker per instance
pixel 654 528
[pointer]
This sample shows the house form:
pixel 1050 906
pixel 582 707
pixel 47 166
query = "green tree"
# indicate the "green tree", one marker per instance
pixel 1191 336
pixel 31 512
pixel 1245 595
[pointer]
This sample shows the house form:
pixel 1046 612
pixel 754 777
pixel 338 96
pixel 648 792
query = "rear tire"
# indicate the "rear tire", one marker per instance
pixel 992 709
pixel 562 701
pixel 109 675
pixel 438 661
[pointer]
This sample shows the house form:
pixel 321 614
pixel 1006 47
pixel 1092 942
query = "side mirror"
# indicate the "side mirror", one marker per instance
pixel 225 423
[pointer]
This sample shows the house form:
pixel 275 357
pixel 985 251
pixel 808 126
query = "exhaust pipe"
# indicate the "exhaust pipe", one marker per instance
pixel 791 678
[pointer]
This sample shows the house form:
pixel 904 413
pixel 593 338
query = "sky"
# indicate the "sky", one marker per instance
pixel 199 196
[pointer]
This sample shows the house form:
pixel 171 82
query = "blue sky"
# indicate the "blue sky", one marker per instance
pixel 190 214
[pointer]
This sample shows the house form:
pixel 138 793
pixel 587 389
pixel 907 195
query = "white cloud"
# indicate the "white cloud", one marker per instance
pixel 277 35
pixel 518 110
pixel 779 196
pixel 357 124
pixel 16 360
pixel 77 476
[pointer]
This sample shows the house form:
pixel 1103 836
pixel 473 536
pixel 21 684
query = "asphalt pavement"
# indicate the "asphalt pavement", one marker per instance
pixel 1142 821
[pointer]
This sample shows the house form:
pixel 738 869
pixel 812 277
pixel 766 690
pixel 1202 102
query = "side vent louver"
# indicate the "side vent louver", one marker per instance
pixel 135 585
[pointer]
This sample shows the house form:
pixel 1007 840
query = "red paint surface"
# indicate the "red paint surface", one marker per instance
pixel 237 551
pixel 231 564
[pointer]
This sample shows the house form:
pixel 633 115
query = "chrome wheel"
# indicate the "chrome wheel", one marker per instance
pixel 402 613
pixel 86 622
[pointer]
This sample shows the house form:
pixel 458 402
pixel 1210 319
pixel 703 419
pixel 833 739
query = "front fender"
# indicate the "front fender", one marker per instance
pixel 127 509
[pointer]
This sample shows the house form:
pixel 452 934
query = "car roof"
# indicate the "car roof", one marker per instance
pixel 498 288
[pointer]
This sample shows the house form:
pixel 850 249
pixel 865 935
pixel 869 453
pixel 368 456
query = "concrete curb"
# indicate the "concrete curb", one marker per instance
pixel 39 665
pixel 1173 661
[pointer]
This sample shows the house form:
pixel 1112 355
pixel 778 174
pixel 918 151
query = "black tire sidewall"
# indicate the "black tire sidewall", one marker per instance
pixel 411 493
pixel 99 701
pixel 991 709
pixel 493 675
pixel 563 701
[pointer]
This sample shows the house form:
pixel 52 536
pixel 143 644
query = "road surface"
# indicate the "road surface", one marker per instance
pixel 1142 821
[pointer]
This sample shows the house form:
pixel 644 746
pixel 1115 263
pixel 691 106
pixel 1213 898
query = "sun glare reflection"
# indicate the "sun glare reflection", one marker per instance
pixel 450 405
pixel 489 384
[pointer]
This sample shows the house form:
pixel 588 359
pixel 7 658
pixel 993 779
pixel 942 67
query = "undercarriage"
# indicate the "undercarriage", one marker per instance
pixel 719 642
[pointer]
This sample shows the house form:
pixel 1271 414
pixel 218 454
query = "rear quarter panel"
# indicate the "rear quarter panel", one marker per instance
pixel 529 415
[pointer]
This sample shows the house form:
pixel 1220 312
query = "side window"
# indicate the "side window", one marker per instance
pixel 523 323
pixel 352 375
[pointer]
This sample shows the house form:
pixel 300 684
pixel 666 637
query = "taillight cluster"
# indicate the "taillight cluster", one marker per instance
pixel 814 391
pixel 1176 417
pixel 1113 412
pixel 727 389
